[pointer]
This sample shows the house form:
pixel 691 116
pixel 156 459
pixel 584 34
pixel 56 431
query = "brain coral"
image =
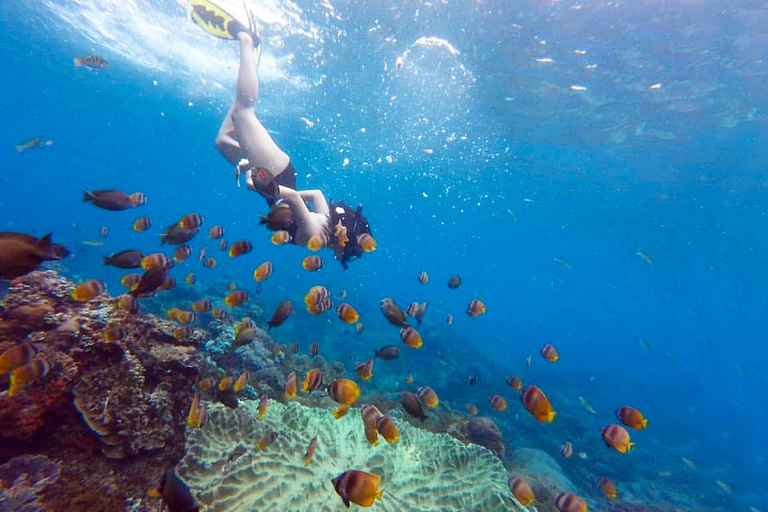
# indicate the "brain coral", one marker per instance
pixel 424 471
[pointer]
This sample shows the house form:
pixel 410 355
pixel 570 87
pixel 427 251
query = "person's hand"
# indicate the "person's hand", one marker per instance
pixel 248 180
pixel 241 168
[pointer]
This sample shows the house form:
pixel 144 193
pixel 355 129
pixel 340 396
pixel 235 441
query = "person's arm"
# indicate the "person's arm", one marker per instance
pixel 297 204
pixel 317 199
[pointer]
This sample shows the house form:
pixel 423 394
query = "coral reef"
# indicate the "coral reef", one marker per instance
pixel 424 471
pixel 102 400
pixel 21 481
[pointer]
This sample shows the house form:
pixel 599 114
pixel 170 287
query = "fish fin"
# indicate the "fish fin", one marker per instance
pixel 88 196
pixel 78 62
pixel 551 416
pixel 645 423
pixel 630 446
pixel 345 499
pixel 379 493
pixel 45 249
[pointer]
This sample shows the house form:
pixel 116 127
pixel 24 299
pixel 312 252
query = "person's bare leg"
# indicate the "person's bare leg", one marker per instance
pixel 226 142
pixel 255 141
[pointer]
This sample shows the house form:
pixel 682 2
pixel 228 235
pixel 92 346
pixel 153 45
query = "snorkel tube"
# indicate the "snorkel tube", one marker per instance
pixel 354 221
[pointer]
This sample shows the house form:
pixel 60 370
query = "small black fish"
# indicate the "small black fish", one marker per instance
pixel 228 398
pixel 454 282
pixel 387 353
pixel 393 313
pixel 129 258
pixel 412 406
pixel 113 200
pixel 150 281
pixel 175 493
pixel 175 234
pixel 282 312
pixel 472 380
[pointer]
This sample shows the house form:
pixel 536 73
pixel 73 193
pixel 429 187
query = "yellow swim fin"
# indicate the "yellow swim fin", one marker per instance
pixel 221 22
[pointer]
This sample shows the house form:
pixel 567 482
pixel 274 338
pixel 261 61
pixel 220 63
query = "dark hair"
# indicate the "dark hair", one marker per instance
pixel 355 223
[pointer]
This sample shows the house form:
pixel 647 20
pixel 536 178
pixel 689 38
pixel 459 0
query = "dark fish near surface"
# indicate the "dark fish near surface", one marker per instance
pixel 149 281
pixel 113 200
pixel 279 217
pixel 281 314
pixel 175 494
pixel 129 258
pixel 387 353
pixel 393 313
pixel 412 406
pixel 91 61
pixel 21 253
pixel 175 234
pixel 454 282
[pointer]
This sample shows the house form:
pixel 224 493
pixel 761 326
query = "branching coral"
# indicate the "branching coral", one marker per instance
pixel 424 471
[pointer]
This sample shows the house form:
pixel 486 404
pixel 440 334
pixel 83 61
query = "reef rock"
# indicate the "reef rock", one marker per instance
pixel 22 479
pixel 543 474
pixel 102 399
pixel 483 431
pixel 424 471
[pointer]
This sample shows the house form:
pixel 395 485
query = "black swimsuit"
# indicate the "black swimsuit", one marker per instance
pixel 287 178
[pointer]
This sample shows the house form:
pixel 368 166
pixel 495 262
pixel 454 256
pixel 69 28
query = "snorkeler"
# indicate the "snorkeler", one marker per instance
pixel 268 170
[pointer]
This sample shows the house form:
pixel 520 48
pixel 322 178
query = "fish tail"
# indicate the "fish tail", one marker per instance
pixel 379 493
pixel 87 196
pixel 78 62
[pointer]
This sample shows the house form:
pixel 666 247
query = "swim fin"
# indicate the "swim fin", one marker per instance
pixel 223 23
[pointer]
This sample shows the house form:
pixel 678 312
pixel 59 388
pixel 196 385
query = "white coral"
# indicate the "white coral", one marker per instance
pixel 423 472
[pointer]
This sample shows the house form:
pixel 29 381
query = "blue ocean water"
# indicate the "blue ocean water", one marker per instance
pixel 595 172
